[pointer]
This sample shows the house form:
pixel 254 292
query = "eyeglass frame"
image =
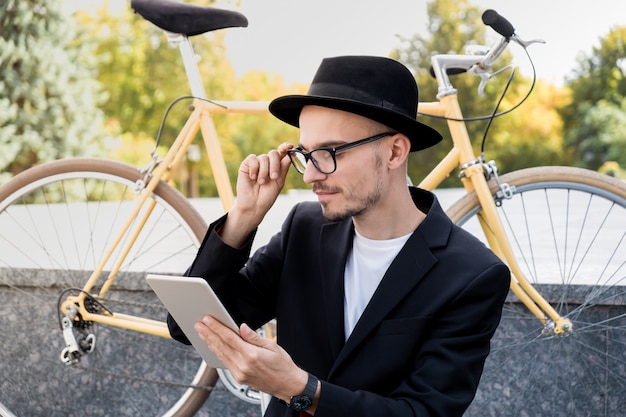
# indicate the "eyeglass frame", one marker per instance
pixel 333 151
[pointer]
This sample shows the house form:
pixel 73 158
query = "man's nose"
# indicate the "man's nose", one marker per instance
pixel 311 173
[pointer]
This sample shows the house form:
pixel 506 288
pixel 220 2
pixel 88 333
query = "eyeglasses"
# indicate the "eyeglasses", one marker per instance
pixel 324 159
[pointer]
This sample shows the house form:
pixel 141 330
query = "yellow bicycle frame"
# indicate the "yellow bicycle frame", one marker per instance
pixel 474 180
pixel 461 155
pixel 200 119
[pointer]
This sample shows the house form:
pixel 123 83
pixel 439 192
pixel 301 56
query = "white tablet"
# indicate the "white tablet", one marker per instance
pixel 189 299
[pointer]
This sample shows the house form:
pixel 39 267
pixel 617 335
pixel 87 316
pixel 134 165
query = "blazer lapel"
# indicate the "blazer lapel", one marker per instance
pixel 335 244
pixel 405 272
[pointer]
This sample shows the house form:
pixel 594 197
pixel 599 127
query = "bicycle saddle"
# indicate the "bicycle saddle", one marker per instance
pixel 187 19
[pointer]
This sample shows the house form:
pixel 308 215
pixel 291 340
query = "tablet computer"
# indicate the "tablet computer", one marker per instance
pixel 189 299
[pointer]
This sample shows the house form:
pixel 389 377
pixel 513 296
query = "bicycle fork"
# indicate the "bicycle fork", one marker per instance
pixel 475 176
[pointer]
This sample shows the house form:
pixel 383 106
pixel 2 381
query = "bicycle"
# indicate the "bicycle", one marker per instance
pixel 80 234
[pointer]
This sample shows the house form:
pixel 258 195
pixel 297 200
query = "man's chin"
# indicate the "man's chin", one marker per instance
pixel 335 216
pixel 329 214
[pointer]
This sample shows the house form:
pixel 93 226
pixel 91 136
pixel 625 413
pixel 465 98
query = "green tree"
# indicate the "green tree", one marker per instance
pixel 452 25
pixel 602 133
pixel 256 134
pixel 594 118
pixel 531 135
pixel 47 93
pixel 142 74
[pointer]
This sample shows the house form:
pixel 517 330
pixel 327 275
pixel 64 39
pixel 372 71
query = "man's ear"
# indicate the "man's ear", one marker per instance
pixel 400 147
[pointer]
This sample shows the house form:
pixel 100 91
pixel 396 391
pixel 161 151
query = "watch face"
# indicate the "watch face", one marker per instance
pixel 300 403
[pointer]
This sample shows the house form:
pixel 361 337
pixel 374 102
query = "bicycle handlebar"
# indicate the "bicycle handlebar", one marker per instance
pixel 478 63
pixel 498 23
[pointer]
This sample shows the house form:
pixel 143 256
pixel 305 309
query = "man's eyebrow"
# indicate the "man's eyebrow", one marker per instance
pixel 327 144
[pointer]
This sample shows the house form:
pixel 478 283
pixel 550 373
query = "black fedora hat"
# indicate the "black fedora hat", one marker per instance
pixel 378 88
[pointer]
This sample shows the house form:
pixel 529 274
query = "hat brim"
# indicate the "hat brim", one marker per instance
pixel 288 109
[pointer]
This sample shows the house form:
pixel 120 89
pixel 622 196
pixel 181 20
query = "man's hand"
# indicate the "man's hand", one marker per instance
pixel 260 180
pixel 253 360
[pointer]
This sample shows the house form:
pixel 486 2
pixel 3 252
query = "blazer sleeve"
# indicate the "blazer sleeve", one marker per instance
pixel 212 247
pixel 224 268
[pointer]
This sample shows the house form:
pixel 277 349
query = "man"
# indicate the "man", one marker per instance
pixel 383 306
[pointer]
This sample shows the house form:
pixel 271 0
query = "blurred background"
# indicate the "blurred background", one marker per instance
pixel 90 78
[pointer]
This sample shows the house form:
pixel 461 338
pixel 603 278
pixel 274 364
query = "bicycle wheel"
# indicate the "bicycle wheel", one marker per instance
pixel 567 227
pixel 56 221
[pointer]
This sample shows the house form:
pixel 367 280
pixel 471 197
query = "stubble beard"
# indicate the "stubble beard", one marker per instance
pixel 355 204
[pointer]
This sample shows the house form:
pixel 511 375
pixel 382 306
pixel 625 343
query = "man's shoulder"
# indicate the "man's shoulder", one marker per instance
pixel 311 207
pixel 306 213
pixel 441 231
pixel 307 209
pixel 308 218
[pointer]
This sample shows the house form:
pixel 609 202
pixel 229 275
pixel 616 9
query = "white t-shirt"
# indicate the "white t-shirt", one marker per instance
pixel 366 266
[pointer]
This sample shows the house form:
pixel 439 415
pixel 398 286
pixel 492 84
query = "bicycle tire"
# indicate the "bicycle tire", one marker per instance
pixel 567 227
pixel 52 245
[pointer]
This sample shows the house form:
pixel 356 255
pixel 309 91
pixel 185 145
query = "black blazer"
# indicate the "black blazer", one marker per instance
pixel 420 345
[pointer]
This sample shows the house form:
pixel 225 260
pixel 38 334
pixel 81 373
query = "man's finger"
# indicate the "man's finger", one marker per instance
pixel 275 164
pixel 283 148
pixel 250 167
pixel 252 337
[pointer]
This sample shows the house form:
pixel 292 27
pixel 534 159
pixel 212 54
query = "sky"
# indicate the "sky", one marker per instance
pixel 291 37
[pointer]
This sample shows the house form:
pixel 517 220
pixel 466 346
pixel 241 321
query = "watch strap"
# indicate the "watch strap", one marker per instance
pixel 309 392
pixel 311 387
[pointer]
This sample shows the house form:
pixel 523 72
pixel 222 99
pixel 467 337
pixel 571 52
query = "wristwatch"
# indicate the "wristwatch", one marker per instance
pixel 304 401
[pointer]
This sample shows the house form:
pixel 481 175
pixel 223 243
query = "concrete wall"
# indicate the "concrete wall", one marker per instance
pixel 544 363
pixel 572 359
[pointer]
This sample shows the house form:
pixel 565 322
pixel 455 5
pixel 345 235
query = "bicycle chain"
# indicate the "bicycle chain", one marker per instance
pixel 102 301
pixel 131 303
pixel 147 380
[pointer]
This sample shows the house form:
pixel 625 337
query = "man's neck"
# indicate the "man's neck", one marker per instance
pixel 390 219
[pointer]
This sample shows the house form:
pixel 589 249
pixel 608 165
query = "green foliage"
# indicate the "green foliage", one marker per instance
pixel 47 94
pixel 143 74
pixel 529 136
pixel 55 72
pixel 602 133
pixel 594 119
pixel 451 25
pixel 256 134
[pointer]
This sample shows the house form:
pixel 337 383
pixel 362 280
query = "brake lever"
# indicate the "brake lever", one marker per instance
pixel 525 44
pixel 485 76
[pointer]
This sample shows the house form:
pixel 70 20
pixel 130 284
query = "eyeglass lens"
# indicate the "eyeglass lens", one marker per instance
pixel 322 159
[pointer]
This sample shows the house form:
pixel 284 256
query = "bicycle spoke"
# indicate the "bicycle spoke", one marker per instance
pixel 57 229
pixel 569 238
